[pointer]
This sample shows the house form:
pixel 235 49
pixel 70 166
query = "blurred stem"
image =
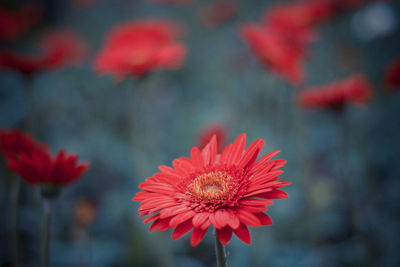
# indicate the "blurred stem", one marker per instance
pixel 345 175
pixel 30 122
pixel 220 251
pixel 14 201
pixel 46 232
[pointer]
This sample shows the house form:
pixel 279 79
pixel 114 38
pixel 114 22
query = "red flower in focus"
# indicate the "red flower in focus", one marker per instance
pixel 41 168
pixel 15 143
pixel 218 12
pixel 214 129
pixel 392 75
pixel 15 23
pixel 228 190
pixel 138 47
pixel 275 51
pixel 59 48
pixel 355 89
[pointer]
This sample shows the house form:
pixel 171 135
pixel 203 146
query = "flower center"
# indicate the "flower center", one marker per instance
pixel 212 186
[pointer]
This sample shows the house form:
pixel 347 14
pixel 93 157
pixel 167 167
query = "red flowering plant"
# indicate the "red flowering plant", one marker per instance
pixel 138 47
pixel 40 168
pixel 392 75
pixel 355 89
pixel 32 161
pixel 58 49
pixel 229 191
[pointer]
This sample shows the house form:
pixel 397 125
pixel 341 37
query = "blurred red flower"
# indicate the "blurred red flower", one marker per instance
pixel 58 49
pixel 39 167
pixel 15 23
pixel 275 51
pixel 392 75
pixel 218 12
pixel 138 47
pixel 356 89
pixel 213 129
pixel 228 190
pixel 14 143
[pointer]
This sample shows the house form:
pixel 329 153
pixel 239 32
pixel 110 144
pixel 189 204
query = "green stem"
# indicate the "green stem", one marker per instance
pixel 14 201
pixel 46 232
pixel 220 251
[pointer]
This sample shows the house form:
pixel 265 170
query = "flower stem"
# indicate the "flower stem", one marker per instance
pixel 220 251
pixel 46 232
pixel 14 200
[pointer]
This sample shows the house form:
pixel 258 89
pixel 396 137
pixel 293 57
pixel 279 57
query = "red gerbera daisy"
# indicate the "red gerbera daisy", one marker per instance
pixel 355 89
pixel 392 75
pixel 228 190
pixel 41 168
pixel 138 47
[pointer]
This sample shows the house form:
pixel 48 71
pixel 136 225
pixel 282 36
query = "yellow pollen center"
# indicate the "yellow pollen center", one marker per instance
pixel 212 186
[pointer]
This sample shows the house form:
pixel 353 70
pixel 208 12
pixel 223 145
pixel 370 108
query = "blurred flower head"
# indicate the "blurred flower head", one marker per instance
pixel 139 47
pixel 209 131
pixel 229 191
pixel 15 23
pixel 392 75
pixel 40 168
pixel 355 89
pixel 58 49
pixel 275 51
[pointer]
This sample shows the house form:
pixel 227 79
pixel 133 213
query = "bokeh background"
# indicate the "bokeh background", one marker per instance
pixel 127 128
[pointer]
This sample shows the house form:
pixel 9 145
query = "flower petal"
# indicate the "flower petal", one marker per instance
pixel 182 229
pixel 197 235
pixel 224 235
pixel 243 233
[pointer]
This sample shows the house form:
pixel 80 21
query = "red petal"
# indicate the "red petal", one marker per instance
pixel 159 223
pixel 264 160
pixel 197 157
pixel 251 153
pixel 182 229
pixel 264 218
pixel 197 235
pixel 199 219
pixel 274 194
pixel 221 217
pixel 243 233
pixel 247 217
pixel 224 235
pixel 237 149
pixel 233 220
pixel 180 218
pixel 214 222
